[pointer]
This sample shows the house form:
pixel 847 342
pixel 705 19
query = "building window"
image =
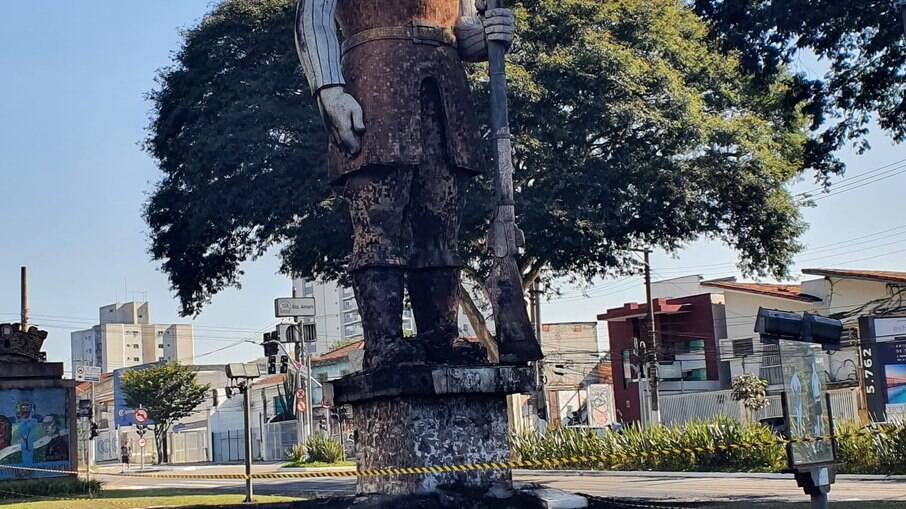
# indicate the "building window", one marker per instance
pixel 577 328
pixel 160 345
pixel 771 369
pixel 627 368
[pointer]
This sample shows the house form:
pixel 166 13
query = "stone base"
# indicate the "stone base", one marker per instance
pixel 427 432
pixel 430 416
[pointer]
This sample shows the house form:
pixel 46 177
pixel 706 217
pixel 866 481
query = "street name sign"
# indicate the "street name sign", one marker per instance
pixel 88 374
pixel 292 307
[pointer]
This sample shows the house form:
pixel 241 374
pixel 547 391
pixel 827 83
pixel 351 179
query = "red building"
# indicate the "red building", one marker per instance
pixel 687 329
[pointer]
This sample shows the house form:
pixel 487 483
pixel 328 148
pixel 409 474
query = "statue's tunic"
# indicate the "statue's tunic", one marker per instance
pixel 393 50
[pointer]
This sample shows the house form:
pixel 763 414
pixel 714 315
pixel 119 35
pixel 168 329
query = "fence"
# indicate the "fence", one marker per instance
pixel 228 446
pixel 682 408
pixel 188 447
pixel 278 437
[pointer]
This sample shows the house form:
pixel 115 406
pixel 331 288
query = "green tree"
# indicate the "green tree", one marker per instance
pixel 168 392
pixel 630 128
pixel 863 43
pixel 751 391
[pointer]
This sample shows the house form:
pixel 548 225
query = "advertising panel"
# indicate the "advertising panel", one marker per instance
pixel 124 415
pixel 600 405
pixel 34 431
pixel 883 352
pixel 806 406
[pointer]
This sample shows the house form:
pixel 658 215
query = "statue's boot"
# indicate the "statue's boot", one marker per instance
pixel 435 302
pixel 379 294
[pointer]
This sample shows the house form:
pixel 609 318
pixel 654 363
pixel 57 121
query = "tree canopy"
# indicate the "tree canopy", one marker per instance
pixel 168 392
pixel 862 42
pixel 632 128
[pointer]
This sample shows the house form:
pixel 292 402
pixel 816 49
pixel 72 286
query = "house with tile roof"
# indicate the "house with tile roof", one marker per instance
pixel 844 294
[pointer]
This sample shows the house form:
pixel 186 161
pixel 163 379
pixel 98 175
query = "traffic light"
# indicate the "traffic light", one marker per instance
pixel 92 431
pixel 272 365
pixel 284 364
pixel 271 345
pixel 141 429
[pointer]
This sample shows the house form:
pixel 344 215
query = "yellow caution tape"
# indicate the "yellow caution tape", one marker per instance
pixel 548 463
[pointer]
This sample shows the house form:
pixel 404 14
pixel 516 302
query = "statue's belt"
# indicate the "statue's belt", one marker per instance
pixel 418 34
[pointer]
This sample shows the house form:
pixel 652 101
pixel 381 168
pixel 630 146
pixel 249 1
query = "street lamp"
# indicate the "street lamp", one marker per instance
pixel 241 376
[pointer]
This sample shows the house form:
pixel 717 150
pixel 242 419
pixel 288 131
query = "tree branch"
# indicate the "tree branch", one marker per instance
pixel 478 322
pixel 532 272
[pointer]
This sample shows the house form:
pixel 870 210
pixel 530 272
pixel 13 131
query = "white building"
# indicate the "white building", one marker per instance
pixel 337 314
pixel 125 337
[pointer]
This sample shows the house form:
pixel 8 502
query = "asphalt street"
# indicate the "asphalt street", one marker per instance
pixel 651 486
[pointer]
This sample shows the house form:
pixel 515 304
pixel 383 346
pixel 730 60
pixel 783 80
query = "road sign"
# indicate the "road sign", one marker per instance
pixel 311 347
pixel 292 307
pixel 141 416
pixel 141 442
pixel 88 374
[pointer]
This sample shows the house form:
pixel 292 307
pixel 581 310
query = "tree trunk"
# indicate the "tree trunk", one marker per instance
pixel 479 324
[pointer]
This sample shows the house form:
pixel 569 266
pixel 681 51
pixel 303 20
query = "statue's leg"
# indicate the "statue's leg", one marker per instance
pixel 378 199
pixel 438 193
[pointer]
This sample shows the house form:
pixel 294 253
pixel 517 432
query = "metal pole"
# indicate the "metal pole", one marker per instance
pixel 819 501
pixel 247 410
pixel 297 362
pixel 91 442
pixel 308 387
pixel 652 344
pixel 23 322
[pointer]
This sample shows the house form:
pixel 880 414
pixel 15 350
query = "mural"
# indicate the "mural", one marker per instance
pixel 34 431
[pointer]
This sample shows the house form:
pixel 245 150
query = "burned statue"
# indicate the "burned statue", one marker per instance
pixel 388 77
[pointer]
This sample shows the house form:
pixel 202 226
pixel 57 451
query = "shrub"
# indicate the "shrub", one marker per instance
pixel 719 445
pixel 320 448
pixel 296 454
pixel 47 487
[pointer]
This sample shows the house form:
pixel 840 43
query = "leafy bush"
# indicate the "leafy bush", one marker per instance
pixel 296 454
pixel 880 449
pixel 719 445
pixel 317 449
pixel 47 487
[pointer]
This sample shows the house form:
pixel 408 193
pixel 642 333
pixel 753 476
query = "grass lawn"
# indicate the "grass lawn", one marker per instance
pixel 320 464
pixel 137 499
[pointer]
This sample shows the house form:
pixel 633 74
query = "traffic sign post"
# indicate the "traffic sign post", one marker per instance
pixel 294 307
pixel 88 374
pixel 140 416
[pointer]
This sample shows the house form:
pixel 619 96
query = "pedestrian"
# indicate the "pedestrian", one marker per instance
pixel 124 456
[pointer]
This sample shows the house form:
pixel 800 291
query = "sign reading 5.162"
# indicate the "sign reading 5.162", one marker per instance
pixel 293 307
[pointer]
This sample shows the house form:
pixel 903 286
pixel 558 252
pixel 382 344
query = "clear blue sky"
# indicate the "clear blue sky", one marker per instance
pixel 74 179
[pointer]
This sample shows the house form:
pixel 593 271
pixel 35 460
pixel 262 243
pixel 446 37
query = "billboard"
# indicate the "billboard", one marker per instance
pixel 34 431
pixel 124 415
pixel 883 352
pixel 805 404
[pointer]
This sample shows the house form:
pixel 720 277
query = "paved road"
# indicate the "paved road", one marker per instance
pixel 675 487
pixel 687 487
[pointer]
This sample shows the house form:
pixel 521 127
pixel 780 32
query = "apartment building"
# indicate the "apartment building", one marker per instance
pixel 125 337
pixel 337 314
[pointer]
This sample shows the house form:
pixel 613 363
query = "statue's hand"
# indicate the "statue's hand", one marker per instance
pixel 343 118
pixel 500 26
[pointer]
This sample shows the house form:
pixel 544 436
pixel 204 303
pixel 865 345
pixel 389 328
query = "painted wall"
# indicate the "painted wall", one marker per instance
pixel 34 431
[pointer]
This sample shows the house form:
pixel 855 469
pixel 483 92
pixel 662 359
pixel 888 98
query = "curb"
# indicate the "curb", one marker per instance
pixel 702 475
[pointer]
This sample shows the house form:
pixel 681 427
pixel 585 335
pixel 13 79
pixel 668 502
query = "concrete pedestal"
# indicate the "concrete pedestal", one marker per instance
pixel 429 416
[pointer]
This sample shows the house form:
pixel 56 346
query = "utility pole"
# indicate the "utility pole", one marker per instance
pixel 651 349
pixel 297 362
pixel 23 322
